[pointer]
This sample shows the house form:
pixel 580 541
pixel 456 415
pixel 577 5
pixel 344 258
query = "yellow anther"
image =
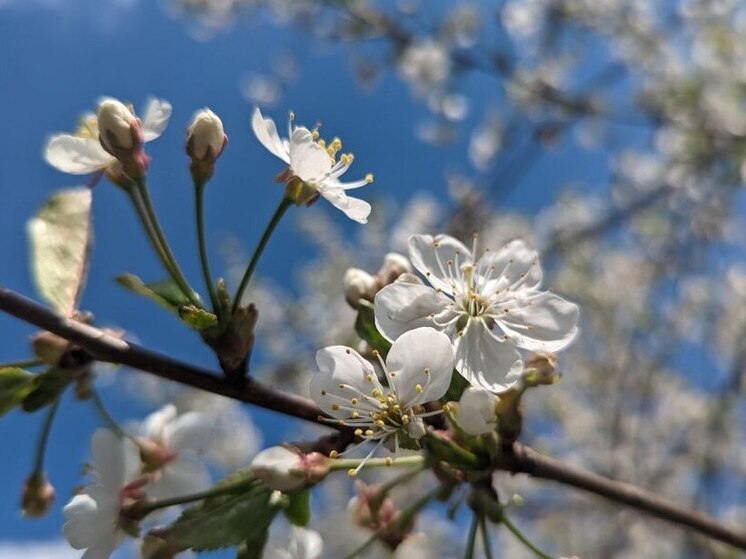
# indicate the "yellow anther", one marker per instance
pixel 418 388
pixel 377 393
pixel 369 378
pixel 354 401
pixel 405 419
pixel 397 407
pixel 388 461
pixel 369 178
pixel 335 407
pixel 352 473
pixel 376 352
pixel 334 454
pixel 427 370
pixel 358 432
pixel 379 422
pixel 315 136
pixel 354 415
pixel 369 433
pixel 291 115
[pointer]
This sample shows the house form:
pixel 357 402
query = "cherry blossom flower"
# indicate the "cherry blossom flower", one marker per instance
pixel 315 163
pixel 170 446
pixel 288 469
pixel 82 152
pixel 206 138
pixel 93 516
pixel 303 544
pixel 418 370
pixel 488 307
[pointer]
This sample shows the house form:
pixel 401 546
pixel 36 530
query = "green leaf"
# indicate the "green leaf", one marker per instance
pixel 298 511
pixel 197 318
pixel 227 520
pixel 60 237
pixel 456 388
pixel 166 293
pixel 46 388
pixel 365 326
pixel 15 384
pixel 252 549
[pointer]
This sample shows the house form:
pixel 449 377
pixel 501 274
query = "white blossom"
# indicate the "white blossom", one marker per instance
pixel 92 517
pixel 81 153
pixel 205 135
pixel 303 544
pixel 315 163
pixel 281 468
pixel 418 370
pixel 476 413
pixel 487 306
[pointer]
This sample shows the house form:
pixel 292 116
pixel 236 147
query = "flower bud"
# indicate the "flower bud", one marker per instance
pixel 394 265
pixel 541 369
pixel 205 136
pixel 37 496
pixel 288 469
pixel 476 413
pixel 359 284
pixel 116 122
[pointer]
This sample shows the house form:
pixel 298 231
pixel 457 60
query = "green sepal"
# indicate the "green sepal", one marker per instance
pixel 15 385
pixel 197 318
pixel 365 326
pixel 46 388
pixel 166 293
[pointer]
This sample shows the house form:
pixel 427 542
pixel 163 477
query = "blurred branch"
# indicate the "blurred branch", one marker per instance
pixel 517 459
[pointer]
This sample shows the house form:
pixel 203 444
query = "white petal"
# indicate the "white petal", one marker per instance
pixel 430 256
pixel 541 321
pixel 77 156
pixel 189 431
pixel 155 118
pixel 515 264
pixel 308 160
pixel 403 306
pixel 116 460
pixel 185 475
pixel 476 412
pixel 80 529
pixel 339 365
pixel 414 352
pixel 308 544
pixel 266 132
pixel 484 360
pixel 279 468
pixel 104 547
pixel 154 426
pixel 354 208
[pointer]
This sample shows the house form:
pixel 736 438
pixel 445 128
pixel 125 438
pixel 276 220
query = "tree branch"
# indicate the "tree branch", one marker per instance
pixel 518 459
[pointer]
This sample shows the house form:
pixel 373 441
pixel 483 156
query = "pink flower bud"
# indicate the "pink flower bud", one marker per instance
pixel 288 469
pixel 37 496
pixel 115 124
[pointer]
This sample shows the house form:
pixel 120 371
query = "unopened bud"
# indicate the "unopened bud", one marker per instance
pixel 359 284
pixel 49 347
pixel 541 369
pixel 115 124
pixel 394 265
pixel 205 136
pixel 288 469
pixel 38 495
pixel 477 413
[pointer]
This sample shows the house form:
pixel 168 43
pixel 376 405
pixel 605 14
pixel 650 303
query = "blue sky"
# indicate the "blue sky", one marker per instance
pixel 59 56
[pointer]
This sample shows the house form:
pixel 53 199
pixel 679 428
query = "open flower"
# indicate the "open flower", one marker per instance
pixel 93 516
pixel 488 307
pixel 170 445
pixel 82 152
pixel 418 370
pixel 315 163
pixel 303 544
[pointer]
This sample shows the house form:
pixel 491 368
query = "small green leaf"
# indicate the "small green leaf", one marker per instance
pixel 365 326
pixel 166 293
pixel 252 549
pixel 298 511
pixel 60 237
pixel 197 318
pixel 227 520
pixel 15 384
pixel 456 388
pixel 46 388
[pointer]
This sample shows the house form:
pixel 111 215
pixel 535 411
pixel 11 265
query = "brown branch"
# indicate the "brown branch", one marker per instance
pixel 518 460
pixel 105 347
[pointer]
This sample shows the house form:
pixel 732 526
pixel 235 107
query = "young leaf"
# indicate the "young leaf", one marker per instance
pixel 60 237
pixel 227 520
pixel 166 293
pixel 45 389
pixel 298 511
pixel 197 318
pixel 15 384
pixel 365 326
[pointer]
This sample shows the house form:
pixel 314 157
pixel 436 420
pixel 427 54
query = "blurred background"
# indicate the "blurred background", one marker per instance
pixel 611 134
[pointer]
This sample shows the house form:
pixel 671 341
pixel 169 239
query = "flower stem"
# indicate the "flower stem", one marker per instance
pixel 106 416
pixel 285 203
pixel 347 463
pixel 461 454
pixel 485 537
pixel 525 541
pixel 199 190
pixel 41 443
pixel 186 499
pixel 138 194
pixel 471 539
pixel 24 364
